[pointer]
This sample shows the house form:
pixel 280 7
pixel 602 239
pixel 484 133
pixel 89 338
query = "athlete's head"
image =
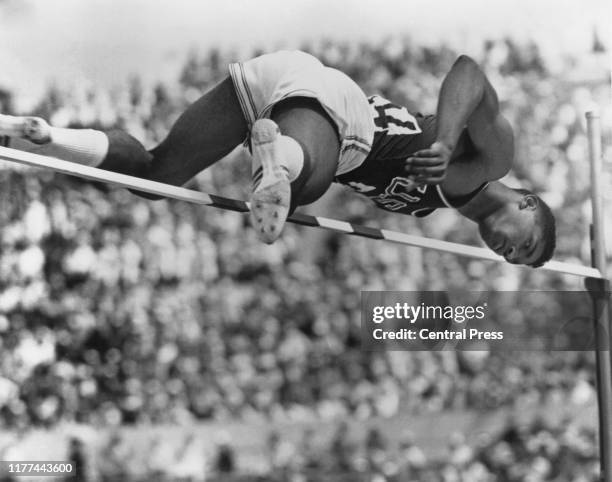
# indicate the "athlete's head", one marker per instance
pixel 522 229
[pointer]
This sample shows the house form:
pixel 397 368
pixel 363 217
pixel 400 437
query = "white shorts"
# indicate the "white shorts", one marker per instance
pixel 263 81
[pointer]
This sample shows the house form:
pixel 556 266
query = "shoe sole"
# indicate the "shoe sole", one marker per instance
pixel 270 201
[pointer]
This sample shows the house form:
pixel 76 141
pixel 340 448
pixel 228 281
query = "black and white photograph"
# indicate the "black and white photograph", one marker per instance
pixel 305 241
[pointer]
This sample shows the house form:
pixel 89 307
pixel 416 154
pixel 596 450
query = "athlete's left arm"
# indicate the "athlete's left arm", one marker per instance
pixel 467 99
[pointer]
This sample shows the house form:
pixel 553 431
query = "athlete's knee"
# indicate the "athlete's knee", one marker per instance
pixel 317 174
pixel 315 177
pixel 126 155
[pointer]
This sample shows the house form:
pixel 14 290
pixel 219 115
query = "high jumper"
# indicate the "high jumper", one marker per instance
pixel 309 125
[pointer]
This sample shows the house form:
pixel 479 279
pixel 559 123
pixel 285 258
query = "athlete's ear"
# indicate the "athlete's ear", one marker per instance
pixel 529 201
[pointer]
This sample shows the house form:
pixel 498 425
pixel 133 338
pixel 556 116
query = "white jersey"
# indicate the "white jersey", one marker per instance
pixel 262 82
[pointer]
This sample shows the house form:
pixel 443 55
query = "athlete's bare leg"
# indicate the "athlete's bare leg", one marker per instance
pixel 214 125
pixel 208 130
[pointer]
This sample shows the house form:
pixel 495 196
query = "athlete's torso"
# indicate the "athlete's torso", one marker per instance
pixel 382 177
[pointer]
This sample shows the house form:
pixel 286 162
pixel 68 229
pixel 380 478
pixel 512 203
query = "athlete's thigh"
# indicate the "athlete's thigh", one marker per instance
pixel 305 120
pixel 207 131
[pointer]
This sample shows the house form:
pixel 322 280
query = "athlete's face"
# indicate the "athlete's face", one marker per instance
pixel 513 231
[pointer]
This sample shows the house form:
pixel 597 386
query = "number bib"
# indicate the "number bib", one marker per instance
pixel 391 119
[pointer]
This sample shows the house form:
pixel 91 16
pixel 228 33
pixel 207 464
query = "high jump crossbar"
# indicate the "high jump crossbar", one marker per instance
pixel 188 195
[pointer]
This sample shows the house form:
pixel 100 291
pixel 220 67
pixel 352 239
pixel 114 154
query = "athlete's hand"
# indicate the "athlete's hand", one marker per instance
pixel 428 166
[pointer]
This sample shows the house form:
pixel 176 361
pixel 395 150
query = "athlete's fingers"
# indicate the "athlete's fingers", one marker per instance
pixel 426 153
pixel 424 161
pixel 428 171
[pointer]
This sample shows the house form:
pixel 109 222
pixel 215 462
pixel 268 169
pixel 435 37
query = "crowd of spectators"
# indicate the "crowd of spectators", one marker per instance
pixel 117 310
